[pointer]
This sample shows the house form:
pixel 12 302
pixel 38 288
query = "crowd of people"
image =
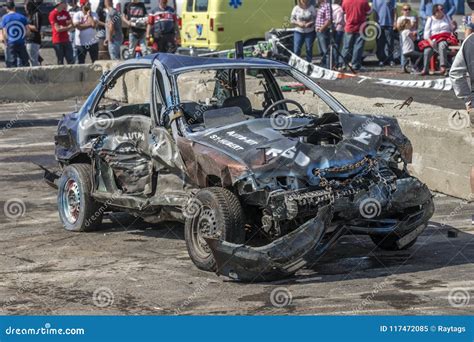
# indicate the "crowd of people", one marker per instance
pixel 78 31
pixel 344 26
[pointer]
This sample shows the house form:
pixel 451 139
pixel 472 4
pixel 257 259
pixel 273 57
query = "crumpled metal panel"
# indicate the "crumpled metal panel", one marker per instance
pixel 279 259
pixel 263 149
pixel 122 146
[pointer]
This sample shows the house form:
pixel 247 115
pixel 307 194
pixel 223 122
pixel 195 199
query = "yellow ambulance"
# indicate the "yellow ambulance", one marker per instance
pixel 218 24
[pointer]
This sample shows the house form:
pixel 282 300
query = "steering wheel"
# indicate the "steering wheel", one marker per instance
pixel 273 105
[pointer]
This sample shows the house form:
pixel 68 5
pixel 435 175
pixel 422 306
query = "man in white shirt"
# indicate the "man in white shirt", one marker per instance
pixel 86 39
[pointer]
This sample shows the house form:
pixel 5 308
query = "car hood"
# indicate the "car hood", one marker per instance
pixel 265 148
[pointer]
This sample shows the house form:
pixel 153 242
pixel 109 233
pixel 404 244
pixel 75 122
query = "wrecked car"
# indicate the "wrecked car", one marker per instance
pixel 264 167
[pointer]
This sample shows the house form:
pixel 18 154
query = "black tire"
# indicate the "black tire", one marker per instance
pixel 389 242
pixel 407 67
pixel 125 54
pixel 74 186
pixel 219 209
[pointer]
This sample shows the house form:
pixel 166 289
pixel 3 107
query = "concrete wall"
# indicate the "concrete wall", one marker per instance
pixel 48 83
pixel 442 158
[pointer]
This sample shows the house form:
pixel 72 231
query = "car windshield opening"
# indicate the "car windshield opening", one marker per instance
pixel 239 94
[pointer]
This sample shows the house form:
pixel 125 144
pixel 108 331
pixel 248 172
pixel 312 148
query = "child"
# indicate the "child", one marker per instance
pixel 408 44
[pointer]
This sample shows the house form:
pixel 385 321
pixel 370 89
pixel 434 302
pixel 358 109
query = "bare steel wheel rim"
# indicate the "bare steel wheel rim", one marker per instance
pixel 204 226
pixel 71 201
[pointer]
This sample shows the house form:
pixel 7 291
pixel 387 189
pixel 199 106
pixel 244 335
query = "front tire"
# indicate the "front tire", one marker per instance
pixel 213 212
pixel 78 211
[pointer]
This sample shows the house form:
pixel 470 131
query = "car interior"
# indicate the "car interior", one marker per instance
pixel 216 98
pixel 221 97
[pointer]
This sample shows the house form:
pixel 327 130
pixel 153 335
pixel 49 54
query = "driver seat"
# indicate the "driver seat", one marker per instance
pixel 240 101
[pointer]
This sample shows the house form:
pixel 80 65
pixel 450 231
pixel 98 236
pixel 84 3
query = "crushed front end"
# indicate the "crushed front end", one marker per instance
pixel 357 181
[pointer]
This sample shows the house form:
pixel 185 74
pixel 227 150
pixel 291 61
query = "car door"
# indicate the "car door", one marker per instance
pixel 170 176
pixel 119 132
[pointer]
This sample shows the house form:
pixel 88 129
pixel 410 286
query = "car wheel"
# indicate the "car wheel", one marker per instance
pixel 78 211
pixel 389 242
pixel 213 212
pixel 125 54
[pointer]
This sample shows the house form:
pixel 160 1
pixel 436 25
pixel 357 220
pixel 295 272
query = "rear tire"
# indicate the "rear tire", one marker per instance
pixel 389 242
pixel 78 211
pixel 213 212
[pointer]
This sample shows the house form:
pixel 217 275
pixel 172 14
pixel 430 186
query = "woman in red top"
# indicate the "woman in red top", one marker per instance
pixel 61 24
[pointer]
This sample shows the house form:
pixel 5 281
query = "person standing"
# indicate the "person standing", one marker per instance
pixel 86 40
pixel 113 31
pixel 135 16
pixel 338 20
pixel 462 73
pixel 33 39
pixel 303 17
pixel 61 24
pixel 323 21
pixel 101 34
pixel 73 8
pixel 385 17
pixel 3 11
pixel 353 46
pixel 164 24
pixel 14 29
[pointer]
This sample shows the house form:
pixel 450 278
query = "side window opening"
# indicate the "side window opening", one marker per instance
pixel 128 94
pixel 201 5
pixel 189 5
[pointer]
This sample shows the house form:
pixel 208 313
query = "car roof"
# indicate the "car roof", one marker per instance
pixel 175 64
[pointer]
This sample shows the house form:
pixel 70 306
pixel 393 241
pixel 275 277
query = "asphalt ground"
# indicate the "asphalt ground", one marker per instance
pixel 130 268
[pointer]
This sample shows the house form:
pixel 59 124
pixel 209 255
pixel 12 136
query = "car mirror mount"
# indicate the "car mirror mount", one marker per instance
pixel 104 77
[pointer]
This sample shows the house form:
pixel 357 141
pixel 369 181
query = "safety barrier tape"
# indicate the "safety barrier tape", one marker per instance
pixel 317 72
